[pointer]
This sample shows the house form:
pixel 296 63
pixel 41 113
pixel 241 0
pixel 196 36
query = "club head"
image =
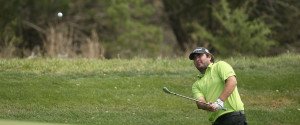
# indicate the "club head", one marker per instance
pixel 166 90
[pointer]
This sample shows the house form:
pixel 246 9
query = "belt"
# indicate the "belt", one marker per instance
pixel 225 116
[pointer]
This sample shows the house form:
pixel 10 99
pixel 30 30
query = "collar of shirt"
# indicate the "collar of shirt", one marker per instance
pixel 208 68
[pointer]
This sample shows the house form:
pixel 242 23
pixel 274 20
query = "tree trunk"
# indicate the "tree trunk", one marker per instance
pixel 172 9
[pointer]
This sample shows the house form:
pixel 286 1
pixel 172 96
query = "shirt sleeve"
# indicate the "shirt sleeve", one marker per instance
pixel 196 91
pixel 225 70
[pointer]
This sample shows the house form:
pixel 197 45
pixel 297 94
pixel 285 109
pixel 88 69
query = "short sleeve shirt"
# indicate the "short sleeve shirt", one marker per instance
pixel 211 84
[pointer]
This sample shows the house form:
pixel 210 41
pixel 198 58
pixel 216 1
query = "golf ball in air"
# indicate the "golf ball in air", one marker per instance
pixel 59 14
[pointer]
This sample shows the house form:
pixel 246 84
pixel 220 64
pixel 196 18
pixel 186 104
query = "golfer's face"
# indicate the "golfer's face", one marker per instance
pixel 201 61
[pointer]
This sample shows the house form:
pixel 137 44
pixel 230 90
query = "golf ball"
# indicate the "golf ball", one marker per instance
pixel 59 14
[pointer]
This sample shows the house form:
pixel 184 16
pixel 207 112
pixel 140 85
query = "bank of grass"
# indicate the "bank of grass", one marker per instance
pixel 118 91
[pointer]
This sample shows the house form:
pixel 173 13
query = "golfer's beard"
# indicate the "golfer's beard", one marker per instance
pixel 202 68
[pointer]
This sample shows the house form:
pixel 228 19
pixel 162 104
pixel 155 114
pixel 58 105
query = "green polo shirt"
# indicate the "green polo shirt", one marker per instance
pixel 211 84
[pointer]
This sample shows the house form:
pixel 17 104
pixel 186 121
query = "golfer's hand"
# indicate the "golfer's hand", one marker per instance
pixel 205 106
pixel 211 107
pixel 218 105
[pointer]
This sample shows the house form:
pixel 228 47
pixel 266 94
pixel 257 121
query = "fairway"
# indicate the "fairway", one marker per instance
pixel 120 91
pixel 10 122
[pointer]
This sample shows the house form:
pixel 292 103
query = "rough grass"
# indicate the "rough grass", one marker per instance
pixel 87 91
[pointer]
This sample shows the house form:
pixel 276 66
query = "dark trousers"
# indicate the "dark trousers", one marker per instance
pixel 233 118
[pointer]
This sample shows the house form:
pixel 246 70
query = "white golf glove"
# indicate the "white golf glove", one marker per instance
pixel 219 104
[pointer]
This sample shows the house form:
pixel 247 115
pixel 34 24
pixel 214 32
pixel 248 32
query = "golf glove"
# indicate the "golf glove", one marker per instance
pixel 219 104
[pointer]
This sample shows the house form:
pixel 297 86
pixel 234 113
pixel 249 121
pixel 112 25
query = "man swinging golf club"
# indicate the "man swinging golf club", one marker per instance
pixel 217 84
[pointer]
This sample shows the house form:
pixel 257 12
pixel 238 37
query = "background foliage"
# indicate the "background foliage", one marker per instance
pixel 147 28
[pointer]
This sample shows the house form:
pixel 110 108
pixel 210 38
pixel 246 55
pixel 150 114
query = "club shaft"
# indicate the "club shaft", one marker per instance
pixel 188 97
pixel 169 92
pixel 184 96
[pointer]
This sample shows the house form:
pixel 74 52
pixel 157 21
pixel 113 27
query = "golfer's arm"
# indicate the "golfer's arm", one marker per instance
pixel 202 105
pixel 230 85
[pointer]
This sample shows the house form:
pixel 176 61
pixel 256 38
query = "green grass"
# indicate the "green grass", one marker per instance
pixel 11 122
pixel 82 91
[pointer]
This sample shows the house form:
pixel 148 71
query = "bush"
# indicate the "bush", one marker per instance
pixel 237 34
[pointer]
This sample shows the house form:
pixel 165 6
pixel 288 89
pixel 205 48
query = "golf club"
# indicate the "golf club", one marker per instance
pixel 166 90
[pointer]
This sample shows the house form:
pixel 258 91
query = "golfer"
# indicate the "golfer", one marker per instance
pixel 217 85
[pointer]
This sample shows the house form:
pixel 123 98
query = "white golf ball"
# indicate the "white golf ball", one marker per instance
pixel 59 14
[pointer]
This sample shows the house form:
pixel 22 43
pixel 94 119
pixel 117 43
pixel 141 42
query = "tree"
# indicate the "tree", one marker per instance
pixel 181 13
pixel 282 16
pixel 22 21
pixel 237 35
pixel 133 34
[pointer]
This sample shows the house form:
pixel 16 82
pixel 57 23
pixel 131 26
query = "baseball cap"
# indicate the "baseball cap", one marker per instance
pixel 200 50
